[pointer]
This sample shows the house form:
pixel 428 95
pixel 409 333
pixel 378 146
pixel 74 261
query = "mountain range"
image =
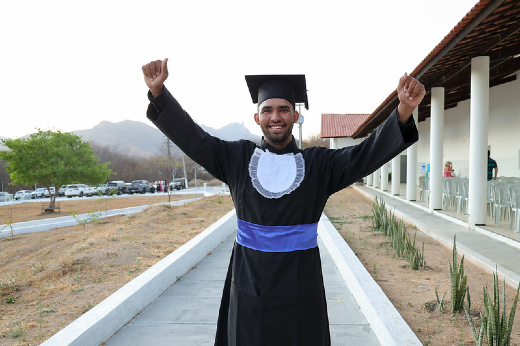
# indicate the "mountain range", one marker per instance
pixel 140 139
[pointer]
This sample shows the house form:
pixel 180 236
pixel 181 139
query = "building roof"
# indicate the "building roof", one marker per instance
pixel 340 125
pixel 491 28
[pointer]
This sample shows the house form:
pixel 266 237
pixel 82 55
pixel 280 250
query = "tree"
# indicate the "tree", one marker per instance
pixel 52 159
pixel 315 140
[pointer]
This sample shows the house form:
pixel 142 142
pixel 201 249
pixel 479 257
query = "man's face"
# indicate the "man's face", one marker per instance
pixel 276 118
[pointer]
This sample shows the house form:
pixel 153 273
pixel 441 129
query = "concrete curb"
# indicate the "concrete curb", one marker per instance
pixel 106 318
pixel 384 319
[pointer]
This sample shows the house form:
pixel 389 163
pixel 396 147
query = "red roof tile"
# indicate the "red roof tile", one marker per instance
pixel 340 125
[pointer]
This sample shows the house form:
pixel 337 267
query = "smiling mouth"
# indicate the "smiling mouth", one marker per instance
pixel 277 127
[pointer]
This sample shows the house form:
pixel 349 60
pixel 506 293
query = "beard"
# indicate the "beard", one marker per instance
pixel 277 138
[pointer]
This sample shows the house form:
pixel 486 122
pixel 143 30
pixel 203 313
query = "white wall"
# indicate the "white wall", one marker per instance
pixel 503 138
pixel 336 143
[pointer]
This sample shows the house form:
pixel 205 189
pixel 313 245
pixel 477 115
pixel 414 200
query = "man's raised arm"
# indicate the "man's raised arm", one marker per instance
pixel 155 73
pixel 410 93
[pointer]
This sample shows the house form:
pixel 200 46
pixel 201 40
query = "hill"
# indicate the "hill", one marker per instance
pixel 141 139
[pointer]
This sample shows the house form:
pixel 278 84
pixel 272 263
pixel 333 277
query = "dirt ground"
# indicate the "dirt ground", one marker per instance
pixel 412 292
pixel 31 210
pixel 48 279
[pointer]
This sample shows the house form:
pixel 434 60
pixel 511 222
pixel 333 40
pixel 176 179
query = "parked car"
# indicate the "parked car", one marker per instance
pixel 42 192
pixel 100 189
pixel 178 184
pixel 22 194
pixel 4 196
pixel 46 192
pixel 119 185
pixel 79 190
pixel 61 191
pixel 139 186
pixel 38 193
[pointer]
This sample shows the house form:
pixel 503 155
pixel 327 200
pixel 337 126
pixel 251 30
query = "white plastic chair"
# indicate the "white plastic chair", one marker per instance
pixel 425 191
pixel 449 193
pixel 463 195
pixel 514 194
pixel 490 197
pixel 501 200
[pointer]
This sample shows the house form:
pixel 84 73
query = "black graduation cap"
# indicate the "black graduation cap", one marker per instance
pixel 292 88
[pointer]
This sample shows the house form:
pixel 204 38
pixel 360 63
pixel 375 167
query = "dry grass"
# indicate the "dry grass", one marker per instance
pixel 48 279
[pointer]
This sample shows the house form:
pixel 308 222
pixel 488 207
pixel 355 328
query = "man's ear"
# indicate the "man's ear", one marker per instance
pixel 296 116
pixel 257 119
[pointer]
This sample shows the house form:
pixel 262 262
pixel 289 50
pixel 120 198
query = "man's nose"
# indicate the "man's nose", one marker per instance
pixel 276 116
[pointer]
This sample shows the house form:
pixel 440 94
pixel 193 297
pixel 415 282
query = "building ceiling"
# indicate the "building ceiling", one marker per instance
pixel 491 28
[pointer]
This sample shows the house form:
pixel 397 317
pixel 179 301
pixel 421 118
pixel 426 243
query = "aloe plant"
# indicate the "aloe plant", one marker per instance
pixel 458 281
pixel 495 325
pixel 480 337
pixel 399 237
pixel 440 302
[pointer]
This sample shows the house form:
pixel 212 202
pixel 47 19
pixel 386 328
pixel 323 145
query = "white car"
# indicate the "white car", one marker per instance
pixel 4 197
pixel 61 191
pixel 22 194
pixel 46 192
pixel 42 192
pixel 79 190
pixel 38 193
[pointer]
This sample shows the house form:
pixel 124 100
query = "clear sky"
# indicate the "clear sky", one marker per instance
pixel 68 65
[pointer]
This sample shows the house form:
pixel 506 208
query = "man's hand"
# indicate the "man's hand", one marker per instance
pixel 410 92
pixel 155 73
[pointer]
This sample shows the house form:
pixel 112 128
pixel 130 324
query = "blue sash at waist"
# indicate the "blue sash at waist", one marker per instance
pixel 277 238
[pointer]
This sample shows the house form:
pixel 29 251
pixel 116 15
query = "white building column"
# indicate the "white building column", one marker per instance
pixel 411 166
pixel 478 141
pixel 384 177
pixel 377 179
pixel 436 138
pixel 370 181
pixel 396 174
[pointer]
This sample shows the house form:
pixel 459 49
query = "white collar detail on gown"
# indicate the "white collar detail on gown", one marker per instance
pixel 275 175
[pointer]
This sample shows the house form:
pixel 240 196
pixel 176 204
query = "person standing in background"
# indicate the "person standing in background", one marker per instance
pixel 492 165
pixel 448 170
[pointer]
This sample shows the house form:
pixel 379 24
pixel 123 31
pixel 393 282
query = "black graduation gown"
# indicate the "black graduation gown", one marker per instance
pixel 277 298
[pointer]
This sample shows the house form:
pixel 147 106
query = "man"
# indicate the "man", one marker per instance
pixel 492 165
pixel 273 293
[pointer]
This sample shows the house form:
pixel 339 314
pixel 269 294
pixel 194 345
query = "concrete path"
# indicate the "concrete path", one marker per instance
pixel 486 249
pixel 186 314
